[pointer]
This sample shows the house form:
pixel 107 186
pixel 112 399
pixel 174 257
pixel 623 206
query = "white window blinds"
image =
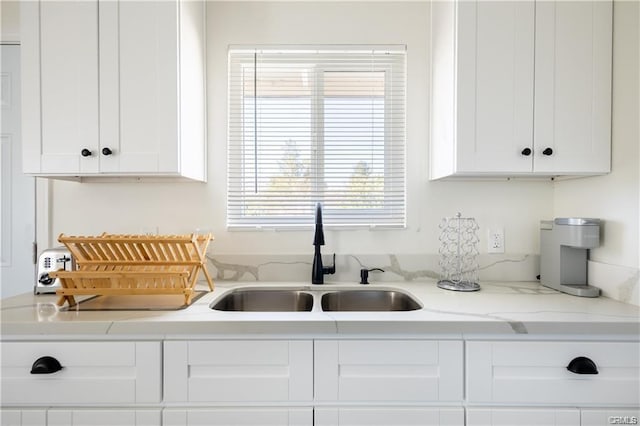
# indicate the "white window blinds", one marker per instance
pixel 316 125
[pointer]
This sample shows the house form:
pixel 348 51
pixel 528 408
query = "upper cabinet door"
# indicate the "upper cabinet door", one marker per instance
pixel 495 86
pixel 482 88
pixel 139 44
pixel 66 109
pixel 573 87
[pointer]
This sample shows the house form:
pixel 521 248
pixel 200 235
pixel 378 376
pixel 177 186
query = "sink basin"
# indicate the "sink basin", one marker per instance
pixel 253 300
pixel 368 300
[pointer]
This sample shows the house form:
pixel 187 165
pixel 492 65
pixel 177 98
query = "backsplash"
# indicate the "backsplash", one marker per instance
pixel 616 282
pixel 397 267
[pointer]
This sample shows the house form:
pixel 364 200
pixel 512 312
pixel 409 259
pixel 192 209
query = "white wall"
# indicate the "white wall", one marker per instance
pixel 91 208
pixel 615 198
pixel 518 206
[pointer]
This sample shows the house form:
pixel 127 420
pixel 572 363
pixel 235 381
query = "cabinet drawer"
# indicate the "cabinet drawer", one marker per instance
pixel 238 371
pixel 18 417
pixel 612 416
pixel 92 372
pixel 239 416
pixel 536 372
pixel 104 417
pixel 385 416
pixel 388 370
pixel 523 417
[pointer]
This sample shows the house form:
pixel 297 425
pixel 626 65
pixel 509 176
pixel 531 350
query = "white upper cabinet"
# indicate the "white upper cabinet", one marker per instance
pixel 114 88
pixel 520 88
pixel 573 87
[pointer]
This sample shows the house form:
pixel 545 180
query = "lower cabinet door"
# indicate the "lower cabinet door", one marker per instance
pixel 238 416
pixel 18 417
pixel 391 416
pixel 117 373
pixel 388 370
pixel 243 371
pixel 104 417
pixel 611 416
pixel 523 417
pixel 581 374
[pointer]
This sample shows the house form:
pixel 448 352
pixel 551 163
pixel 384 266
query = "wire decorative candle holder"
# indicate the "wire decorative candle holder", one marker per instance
pixel 458 254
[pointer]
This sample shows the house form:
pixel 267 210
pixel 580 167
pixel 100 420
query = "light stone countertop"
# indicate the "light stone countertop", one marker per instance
pixel 501 309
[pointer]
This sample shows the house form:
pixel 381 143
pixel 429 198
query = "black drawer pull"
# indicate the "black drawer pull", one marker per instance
pixel 46 365
pixel 582 365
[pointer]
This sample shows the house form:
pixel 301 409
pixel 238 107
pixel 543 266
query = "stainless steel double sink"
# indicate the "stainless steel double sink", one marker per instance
pixel 304 300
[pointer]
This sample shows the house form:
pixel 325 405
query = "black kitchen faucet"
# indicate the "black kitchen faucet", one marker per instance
pixel 318 271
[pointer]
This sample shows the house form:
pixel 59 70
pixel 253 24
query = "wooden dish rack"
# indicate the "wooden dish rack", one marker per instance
pixel 109 265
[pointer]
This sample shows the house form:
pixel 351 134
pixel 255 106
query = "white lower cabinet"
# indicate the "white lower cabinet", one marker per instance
pixel 388 370
pixel 23 417
pixel 250 372
pixel 612 416
pixel 239 416
pixel 81 417
pixel 60 376
pixel 389 416
pixel 551 417
pixel 104 417
pixel 572 374
pixel 238 371
pixel 91 373
pixel 348 382
pixel 523 417
pixel 604 373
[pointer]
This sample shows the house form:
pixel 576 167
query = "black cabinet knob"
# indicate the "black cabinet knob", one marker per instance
pixel 85 153
pixel 45 365
pixel 582 365
pixel 526 152
pixel 547 151
pixel 106 151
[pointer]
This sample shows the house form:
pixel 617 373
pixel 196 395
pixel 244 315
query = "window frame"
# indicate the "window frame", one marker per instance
pixel 318 113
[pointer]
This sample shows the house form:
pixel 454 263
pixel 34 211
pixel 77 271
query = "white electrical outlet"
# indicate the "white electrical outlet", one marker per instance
pixel 495 240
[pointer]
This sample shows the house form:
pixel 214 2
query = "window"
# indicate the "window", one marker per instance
pixel 316 125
